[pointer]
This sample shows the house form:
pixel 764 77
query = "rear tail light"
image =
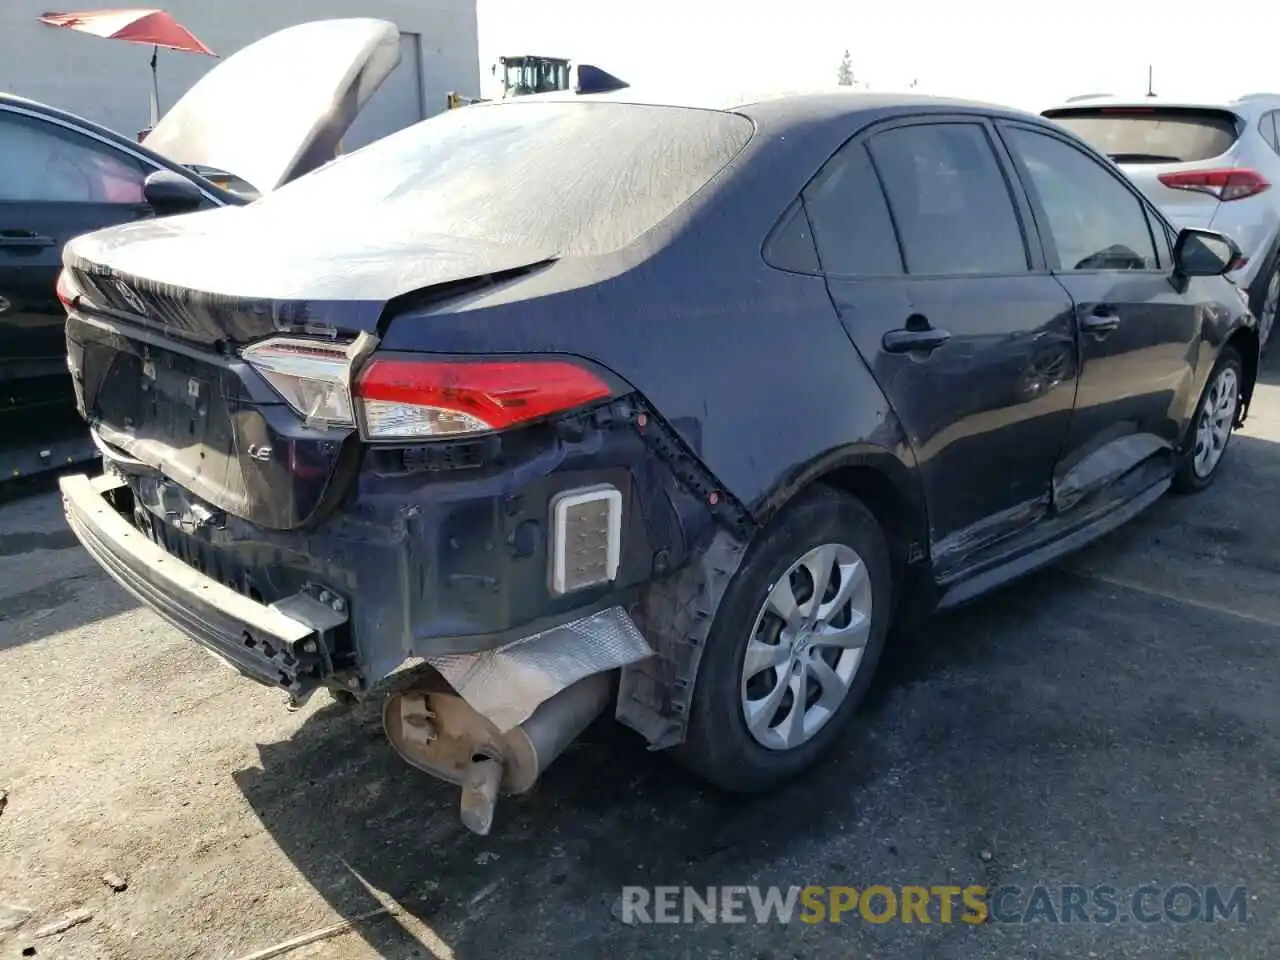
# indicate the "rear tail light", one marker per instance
pixel 402 398
pixel 67 290
pixel 1228 184
pixel 311 375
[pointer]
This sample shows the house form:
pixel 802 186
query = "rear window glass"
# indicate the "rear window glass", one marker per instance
pixel 1152 134
pixel 573 178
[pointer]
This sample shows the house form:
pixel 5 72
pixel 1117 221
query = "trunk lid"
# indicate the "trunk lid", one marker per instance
pixel 223 278
pixel 165 305
pixel 279 107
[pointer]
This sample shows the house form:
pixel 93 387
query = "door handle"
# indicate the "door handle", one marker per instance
pixel 24 238
pixel 1102 320
pixel 908 340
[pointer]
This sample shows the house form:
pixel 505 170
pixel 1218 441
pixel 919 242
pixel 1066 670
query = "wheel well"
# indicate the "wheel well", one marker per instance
pixel 1245 340
pixel 902 523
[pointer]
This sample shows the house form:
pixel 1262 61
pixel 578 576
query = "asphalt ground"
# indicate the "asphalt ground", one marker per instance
pixel 1111 723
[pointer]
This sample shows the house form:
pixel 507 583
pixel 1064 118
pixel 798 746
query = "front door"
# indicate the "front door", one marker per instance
pixel 926 249
pixel 1137 332
pixel 55 184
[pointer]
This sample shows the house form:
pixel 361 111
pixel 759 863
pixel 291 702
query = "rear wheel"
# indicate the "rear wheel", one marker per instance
pixel 1211 428
pixel 793 645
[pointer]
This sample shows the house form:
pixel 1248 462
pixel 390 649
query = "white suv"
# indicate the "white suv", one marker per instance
pixel 1204 165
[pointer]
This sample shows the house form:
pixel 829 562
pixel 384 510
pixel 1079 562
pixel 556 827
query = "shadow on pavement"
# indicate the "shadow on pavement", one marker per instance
pixel 48 583
pixel 348 812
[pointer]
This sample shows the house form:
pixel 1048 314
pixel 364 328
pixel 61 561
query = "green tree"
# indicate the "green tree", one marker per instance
pixel 844 76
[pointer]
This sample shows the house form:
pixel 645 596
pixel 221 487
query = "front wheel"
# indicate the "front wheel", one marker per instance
pixel 1211 428
pixel 793 644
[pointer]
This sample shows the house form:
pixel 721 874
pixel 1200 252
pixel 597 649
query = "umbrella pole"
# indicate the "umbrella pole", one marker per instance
pixel 155 89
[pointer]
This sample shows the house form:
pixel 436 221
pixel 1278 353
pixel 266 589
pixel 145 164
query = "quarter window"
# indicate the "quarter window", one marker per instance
pixel 1095 221
pixel 851 224
pixel 43 162
pixel 950 200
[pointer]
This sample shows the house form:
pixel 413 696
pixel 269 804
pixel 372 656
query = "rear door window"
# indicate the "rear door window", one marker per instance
pixel 851 224
pixel 44 162
pixel 1094 220
pixel 949 199
pixel 1152 134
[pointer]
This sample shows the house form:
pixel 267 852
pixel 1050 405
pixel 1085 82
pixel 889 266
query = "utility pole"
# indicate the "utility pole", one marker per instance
pixel 1150 89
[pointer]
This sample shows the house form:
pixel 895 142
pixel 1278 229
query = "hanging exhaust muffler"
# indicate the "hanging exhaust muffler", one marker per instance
pixel 491 722
pixel 436 730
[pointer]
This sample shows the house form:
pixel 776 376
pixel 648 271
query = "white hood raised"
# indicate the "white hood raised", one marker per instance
pixel 279 107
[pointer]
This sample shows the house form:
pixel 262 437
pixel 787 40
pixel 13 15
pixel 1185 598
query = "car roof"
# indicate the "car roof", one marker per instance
pixel 781 107
pixel 71 119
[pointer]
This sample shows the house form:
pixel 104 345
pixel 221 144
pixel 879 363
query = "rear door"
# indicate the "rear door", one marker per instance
pixel 55 183
pixel 936 277
pixel 1137 332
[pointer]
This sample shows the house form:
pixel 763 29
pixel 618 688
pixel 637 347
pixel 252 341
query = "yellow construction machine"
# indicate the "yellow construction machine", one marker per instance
pixel 529 74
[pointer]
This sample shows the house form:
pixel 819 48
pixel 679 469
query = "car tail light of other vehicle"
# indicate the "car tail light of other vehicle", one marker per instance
pixel 406 398
pixel 1225 184
pixel 66 290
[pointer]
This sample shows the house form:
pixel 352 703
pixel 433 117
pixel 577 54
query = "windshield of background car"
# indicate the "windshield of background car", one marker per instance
pixel 1152 134
pixel 563 178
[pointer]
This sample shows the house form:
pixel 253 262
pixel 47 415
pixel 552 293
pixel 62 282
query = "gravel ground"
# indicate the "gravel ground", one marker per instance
pixel 1112 721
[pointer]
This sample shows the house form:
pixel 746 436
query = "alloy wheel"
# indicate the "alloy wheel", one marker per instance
pixel 1217 418
pixel 806 646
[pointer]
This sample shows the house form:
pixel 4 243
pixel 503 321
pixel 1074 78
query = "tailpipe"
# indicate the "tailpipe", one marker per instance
pixel 437 731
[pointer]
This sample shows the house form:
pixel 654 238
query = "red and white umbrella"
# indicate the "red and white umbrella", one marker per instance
pixel 153 27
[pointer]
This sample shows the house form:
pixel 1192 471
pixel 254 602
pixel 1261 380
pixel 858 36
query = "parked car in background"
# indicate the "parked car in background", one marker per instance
pixel 61 176
pixel 1205 165
pixel 711 400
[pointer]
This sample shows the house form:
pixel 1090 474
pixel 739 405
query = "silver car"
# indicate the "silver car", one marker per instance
pixel 1209 165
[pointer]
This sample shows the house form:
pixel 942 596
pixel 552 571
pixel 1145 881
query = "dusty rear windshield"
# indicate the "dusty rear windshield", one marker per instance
pixel 565 178
pixel 1152 134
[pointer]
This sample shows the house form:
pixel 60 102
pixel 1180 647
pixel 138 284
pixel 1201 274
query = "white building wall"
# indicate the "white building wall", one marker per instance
pixel 110 81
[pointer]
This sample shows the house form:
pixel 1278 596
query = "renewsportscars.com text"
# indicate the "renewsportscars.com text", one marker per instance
pixel 936 904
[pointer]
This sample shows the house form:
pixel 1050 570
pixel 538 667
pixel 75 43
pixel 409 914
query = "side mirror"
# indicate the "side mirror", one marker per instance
pixel 1204 253
pixel 171 193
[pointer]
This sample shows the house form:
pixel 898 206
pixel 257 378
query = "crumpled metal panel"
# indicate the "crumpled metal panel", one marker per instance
pixel 507 684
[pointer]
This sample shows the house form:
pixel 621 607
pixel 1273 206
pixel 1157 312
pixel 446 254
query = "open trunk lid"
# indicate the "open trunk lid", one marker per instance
pixel 279 107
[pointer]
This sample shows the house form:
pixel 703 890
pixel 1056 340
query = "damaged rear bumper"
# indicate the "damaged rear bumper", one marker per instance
pixel 281 644
pixel 459 567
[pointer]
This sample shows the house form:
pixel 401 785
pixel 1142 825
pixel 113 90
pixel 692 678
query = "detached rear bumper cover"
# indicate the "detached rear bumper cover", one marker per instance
pixel 259 640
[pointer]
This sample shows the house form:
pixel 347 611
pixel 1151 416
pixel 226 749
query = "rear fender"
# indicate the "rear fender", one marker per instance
pixel 676 613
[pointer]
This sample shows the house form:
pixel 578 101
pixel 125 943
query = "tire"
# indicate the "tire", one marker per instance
pixel 1264 299
pixel 719 746
pixel 1193 473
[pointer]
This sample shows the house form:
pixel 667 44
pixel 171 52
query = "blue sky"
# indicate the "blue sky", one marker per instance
pixel 1027 55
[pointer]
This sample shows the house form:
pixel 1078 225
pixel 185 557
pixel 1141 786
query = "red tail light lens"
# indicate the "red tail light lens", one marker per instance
pixel 400 399
pixel 1224 184
pixel 66 290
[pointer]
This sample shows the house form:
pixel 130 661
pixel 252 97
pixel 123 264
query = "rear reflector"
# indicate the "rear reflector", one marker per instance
pixel 402 398
pixel 586 538
pixel 1228 184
